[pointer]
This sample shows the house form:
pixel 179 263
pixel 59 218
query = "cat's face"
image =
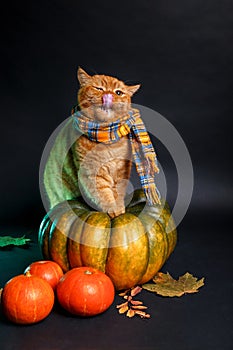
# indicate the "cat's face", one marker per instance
pixel 104 98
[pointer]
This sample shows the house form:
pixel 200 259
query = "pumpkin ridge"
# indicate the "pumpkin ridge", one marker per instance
pixel 15 285
pixel 77 213
pixel 172 235
pixel 95 238
pixel 165 240
pixel 126 262
pixel 156 241
pixel 45 227
pixel 73 244
pixel 34 306
pixel 43 238
pixel 58 239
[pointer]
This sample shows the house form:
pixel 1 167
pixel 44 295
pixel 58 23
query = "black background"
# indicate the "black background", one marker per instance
pixel 182 53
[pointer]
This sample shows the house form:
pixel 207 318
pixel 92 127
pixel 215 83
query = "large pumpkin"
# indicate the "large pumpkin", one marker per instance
pixel 130 248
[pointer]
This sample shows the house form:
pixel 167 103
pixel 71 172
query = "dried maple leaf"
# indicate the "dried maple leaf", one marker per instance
pixel 165 285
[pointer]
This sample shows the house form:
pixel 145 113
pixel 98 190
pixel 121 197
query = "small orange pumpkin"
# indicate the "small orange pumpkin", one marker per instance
pixel 27 299
pixel 85 291
pixel 48 270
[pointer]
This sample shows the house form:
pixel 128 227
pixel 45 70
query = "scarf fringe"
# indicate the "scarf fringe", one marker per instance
pixel 151 164
pixel 152 195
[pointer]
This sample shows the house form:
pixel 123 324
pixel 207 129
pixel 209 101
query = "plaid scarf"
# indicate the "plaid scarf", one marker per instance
pixel 142 149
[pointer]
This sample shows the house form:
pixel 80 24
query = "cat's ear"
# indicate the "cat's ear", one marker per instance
pixel 83 77
pixel 132 89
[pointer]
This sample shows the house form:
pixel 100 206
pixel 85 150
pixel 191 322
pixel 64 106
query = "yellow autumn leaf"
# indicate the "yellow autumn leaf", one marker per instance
pixel 167 286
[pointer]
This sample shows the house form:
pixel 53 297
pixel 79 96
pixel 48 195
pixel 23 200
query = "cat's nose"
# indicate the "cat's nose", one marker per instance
pixel 107 100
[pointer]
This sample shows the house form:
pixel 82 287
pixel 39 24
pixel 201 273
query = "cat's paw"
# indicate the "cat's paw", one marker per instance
pixel 116 211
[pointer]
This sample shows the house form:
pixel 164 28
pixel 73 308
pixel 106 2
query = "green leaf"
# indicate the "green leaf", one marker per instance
pixel 166 286
pixel 8 240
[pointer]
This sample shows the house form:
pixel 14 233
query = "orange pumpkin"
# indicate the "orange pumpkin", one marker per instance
pixel 27 299
pixel 85 291
pixel 48 270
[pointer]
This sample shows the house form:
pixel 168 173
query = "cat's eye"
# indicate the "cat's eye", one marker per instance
pixel 98 88
pixel 119 92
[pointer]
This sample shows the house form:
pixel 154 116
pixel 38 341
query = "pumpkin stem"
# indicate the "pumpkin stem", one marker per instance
pixel 87 272
pixel 27 274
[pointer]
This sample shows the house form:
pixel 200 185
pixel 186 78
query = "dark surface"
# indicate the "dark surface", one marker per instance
pixel 191 322
pixel 182 53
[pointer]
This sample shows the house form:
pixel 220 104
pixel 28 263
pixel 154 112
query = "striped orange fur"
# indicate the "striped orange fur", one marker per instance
pixel 98 171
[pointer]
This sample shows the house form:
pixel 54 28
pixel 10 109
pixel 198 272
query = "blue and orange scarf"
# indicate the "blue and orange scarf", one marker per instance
pixel 142 149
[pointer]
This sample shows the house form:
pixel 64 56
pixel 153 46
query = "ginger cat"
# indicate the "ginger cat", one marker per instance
pixel 96 170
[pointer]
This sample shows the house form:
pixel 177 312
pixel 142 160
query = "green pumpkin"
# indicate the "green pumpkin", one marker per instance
pixel 130 248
